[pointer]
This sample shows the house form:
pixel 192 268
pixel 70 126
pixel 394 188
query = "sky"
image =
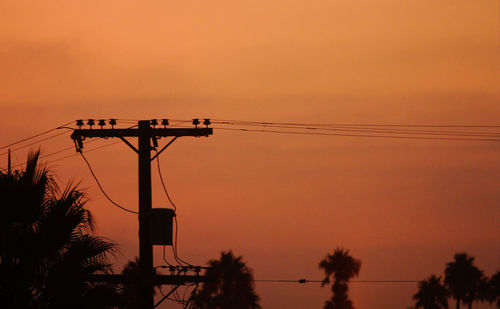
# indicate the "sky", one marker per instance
pixel 403 207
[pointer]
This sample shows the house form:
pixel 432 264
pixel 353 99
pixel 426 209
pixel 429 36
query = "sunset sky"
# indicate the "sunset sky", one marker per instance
pixel 403 207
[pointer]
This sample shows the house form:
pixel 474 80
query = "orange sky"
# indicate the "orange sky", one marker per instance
pixel 282 201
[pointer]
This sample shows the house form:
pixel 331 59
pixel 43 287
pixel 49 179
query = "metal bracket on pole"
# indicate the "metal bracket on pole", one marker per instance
pixel 158 153
pixel 78 144
pixel 128 144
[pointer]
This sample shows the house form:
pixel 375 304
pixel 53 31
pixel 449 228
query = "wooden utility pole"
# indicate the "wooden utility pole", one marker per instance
pixel 145 244
pixel 9 169
pixel 145 134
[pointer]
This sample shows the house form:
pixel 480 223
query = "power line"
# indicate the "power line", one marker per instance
pixel 58 151
pixel 220 121
pixel 317 281
pixel 360 135
pixel 65 149
pixel 90 150
pixel 102 190
pixel 33 143
pixel 34 136
pixel 381 130
pixel 175 244
pixel 162 182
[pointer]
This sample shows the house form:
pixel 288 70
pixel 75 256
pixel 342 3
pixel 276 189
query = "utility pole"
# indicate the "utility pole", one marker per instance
pixel 145 244
pixel 9 169
pixel 146 135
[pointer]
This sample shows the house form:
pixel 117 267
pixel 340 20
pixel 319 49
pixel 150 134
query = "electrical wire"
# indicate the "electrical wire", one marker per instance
pixel 162 182
pixel 59 151
pixel 175 247
pixel 354 124
pixel 34 136
pixel 175 244
pixel 190 300
pixel 72 147
pixel 316 281
pixel 33 143
pixel 358 135
pixel 102 190
pixel 90 150
pixel 382 130
pixel 405 131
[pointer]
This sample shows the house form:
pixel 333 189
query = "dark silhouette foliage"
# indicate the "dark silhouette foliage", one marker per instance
pixel 131 287
pixel 465 282
pixel 463 279
pixel 46 249
pixel 494 289
pixel 432 294
pixel 229 285
pixel 342 267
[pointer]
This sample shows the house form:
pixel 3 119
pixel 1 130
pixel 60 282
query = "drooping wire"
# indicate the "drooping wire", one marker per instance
pixel 102 190
pixel 175 246
pixel 60 151
pixel 34 136
pixel 190 300
pixel 90 150
pixel 163 182
pixel 34 143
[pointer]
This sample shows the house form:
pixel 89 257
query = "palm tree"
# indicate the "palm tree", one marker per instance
pixel 342 267
pixel 229 285
pixel 431 294
pixel 131 287
pixel 46 250
pixel 494 284
pixel 463 279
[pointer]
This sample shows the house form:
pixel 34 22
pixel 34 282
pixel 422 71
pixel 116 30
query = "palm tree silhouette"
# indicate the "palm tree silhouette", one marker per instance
pixel 463 279
pixel 431 294
pixel 131 287
pixel 342 267
pixel 46 250
pixel 494 289
pixel 229 285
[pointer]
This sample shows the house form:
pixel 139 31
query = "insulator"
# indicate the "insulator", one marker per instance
pixel 206 122
pixel 196 122
pixel 102 123
pixel 164 122
pixel 112 122
pixel 79 123
pixel 91 122
pixel 154 122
